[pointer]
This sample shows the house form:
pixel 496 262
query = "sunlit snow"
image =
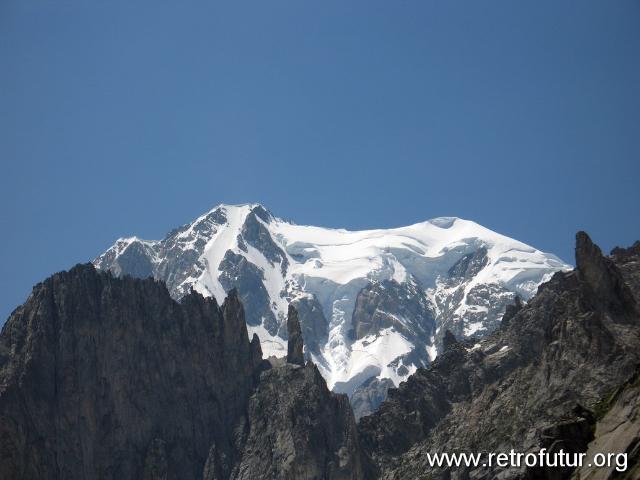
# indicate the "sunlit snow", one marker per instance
pixel 335 264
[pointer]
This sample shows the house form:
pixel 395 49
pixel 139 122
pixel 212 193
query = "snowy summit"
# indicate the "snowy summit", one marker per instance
pixel 372 303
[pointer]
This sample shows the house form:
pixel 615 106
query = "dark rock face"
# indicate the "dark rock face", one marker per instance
pixel 386 304
pixel 172 260
pixel 294 345
pixel 486 306
pixel 617 430
pixel 486 303
pixel 607 288
pixel 369 396
pixel 449 340
pixel 135 261
pixel 469 264
pixel 238 273
pixel 111 378
pixel 627 259
pixel 295 427
pixel 103 377
pixel 533 383
pixel 402 307
pixel 256 235
pixel 299 430
pixel 313 323
pixel 511 311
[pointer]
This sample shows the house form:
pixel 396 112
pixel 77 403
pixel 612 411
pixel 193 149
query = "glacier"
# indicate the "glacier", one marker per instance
pixel 372 303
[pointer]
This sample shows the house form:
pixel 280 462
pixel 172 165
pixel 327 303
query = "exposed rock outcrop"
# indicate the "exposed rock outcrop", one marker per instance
pixel 111 378
pixel 530 384
pixel 627 260
pixel 104 377
pixel 298 429
pixel 448 340
pixel 485 303
pixel 419 280
pixel 385 309
pixel 368 396
pixel 389 304
pixel 618 432
pixel 295 344
pixel 295 428
pixel 312 322
pixel 239 274
pixel 512 310
pixel 603 284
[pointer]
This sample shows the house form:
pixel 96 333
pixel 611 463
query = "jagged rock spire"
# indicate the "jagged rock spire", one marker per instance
pixel 120 343
pixel 295 344
pixel 256 350
pixel 603 278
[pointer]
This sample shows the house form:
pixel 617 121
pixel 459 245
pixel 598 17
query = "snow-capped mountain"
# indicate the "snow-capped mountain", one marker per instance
pixel 371 303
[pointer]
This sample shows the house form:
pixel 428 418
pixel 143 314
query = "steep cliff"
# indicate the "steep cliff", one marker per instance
pixel 299 430
pixel 111 378
pixel 104 377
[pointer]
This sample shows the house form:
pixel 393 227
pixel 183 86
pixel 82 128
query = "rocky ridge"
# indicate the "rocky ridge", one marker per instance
pixel 371 304
pixel 533 383
pixel 104 377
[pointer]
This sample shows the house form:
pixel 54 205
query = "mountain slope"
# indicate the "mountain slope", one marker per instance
pixel 537 382
pixel 104 377
pixel 372 303
pixel 110 378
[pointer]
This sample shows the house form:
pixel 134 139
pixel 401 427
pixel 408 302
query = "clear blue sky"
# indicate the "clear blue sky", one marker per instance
pixel 121 118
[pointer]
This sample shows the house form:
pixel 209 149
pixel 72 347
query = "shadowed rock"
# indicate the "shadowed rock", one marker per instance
pixel 511 311
pixel 298 430
pixel 605 285
pixel 103 377
pixel 295 344
pixel 110 378
pixel 533 383
pixel 449 340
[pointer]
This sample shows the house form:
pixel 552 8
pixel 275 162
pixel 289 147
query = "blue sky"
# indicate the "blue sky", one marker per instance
pixel 121 118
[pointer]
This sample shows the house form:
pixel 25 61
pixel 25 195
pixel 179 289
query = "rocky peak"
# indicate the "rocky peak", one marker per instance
pixel 522 386
pixel 256 234
pixel 262 213
pixel 233 311
pixel 627 254
pixel 601 277
pixel 295 343
pixel 256 349
pixel 298 430
pixel 409 283
pixel 106 377
pixel 589 258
